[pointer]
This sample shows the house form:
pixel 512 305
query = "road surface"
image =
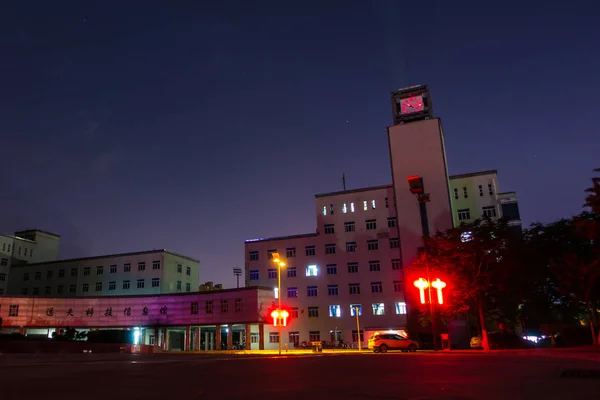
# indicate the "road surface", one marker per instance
pixel 398 376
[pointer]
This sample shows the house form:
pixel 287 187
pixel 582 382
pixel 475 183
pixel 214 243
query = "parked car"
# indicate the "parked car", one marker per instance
pixel 382 342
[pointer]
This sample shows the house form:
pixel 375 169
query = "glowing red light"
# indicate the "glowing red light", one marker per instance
pixel 280 317
pixel 439 285
pixel 422 284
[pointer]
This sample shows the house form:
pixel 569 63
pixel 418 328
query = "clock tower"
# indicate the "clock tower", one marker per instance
pixel 416 143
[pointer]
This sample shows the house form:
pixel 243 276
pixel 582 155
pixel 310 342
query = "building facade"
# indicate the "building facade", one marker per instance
pixel 364 237
pixel 25 247
pixel 188 321
pixel 477 195
pixel 352 265
pixel 141 273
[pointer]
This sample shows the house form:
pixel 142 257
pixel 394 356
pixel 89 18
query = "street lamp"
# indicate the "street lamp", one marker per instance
pixel 358 329
pixel 416 187
pixel 280 264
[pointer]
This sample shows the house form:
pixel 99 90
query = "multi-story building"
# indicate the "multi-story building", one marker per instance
pixel 23 247
pixel 141 273
pixel 212 320
pixel 477 195
pixel 352 264
pixel 364 237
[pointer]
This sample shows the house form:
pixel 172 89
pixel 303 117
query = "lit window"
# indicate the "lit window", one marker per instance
pixel 324 210
pixel 344 208
pixel 373 204
pixel 466 236
pixel 354 308
pixel 365 205
pixel 276 293
pixel 335 311
pixel 400 307
pixel 312 270
pixel 352 207
pixel 378 309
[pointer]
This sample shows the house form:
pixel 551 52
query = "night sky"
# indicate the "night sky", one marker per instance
pixel 129 126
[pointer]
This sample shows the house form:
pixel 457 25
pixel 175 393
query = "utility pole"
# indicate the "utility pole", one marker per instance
pixel 237 272
pixel 344 181
pixel 358 330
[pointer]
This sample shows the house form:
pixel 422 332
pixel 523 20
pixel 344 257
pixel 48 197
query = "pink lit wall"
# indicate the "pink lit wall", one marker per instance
pixel 132 311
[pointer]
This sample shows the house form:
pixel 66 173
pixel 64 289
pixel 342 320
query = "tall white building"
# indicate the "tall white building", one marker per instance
pixel 140 273
pixel 27 246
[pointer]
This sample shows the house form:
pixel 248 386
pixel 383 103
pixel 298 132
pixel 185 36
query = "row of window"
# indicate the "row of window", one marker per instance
pixel 351 247
pixel 13 310
pixel 352 207
pixel 465 213
pixel 353 288
pixel 331 269
pixel 465 191
pixel 99 286
pixel 87 271
pixel 209 306
pixel 26 252
pixel 314 336
pixel 350 226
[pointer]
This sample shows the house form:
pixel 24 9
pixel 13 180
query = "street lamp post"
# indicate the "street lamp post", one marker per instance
pixel 417 188
pixel 280 264
pixel 358 330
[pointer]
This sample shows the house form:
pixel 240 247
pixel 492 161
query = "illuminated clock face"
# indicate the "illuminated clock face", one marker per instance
pixel 412 104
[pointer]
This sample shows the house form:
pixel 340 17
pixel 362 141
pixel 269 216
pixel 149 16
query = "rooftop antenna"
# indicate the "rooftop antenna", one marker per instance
pixel 344 181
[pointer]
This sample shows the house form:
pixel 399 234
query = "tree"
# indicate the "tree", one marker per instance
pixel 578 267
pixel 471 259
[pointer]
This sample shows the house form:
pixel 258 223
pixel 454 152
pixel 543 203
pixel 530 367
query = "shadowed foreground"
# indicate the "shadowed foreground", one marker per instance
pixel 356 376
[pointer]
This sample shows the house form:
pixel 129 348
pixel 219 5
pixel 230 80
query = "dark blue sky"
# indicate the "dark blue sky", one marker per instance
pixel 130 126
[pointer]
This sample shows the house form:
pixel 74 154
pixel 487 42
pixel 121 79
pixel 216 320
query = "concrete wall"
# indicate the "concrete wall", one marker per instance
pixel 417 148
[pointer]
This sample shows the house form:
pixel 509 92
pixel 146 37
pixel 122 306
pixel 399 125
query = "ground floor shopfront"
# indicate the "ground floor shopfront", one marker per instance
pixel 219 320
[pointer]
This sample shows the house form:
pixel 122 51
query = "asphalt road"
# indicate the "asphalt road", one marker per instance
pixel 359 376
